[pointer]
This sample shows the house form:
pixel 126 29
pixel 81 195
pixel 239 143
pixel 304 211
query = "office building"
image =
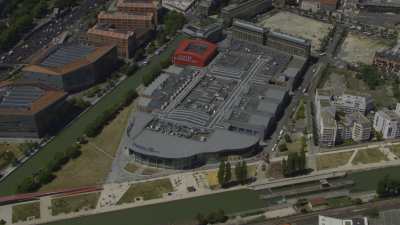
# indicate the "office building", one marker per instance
pixel 126 21
pixel 139 7
pixel 72 67
pixel 181 6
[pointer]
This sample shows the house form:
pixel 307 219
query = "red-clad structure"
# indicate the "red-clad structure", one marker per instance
pixel 194 52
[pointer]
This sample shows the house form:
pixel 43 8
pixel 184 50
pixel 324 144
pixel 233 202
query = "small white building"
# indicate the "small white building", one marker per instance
pixel 324 220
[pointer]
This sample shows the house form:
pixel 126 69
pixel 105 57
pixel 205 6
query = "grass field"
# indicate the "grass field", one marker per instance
pixel 368 180
pixel 177 212
pixel 76 129
pixel 93 165
pixel 371 155
pixel 74 203
pixel 357 48
pixel 25 211
pixel 147 190
pixel 329 161
pixel 395 149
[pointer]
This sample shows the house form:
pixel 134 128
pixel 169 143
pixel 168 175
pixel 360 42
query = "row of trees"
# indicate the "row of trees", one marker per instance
pixel 218 216
pixel 46 175
pixel 225 173
pixel 295 164
pixel 151 75
pixel 95 128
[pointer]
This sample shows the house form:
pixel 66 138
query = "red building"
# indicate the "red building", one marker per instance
pixel 194 52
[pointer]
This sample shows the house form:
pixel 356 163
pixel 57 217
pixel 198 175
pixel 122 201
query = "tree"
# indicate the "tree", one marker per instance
pixel 288 139
pixel 173 22
pixel 221 173
pixel 379 136
pixel 284 167
pixel 44 176
pixel 244 172
pixel 28 185
pixel 201 219
pixel 228 173
pixel 238 171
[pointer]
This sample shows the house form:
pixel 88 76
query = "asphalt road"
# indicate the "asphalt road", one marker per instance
pixel 42 37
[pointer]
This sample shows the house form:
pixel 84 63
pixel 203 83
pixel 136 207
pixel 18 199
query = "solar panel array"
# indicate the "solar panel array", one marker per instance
pixel 66 55
pixel 20 96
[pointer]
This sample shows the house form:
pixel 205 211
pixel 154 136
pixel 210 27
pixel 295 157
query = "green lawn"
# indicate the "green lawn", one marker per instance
pixel 74 203
pixel 177 212
pixel 395 149
pixel 76 129
pixel 368 180
pixel 371 155
pixel 147 190
pixel 25 211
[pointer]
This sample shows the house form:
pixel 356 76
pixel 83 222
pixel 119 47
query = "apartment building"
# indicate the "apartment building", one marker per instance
pixel 388 122
pixel 341 118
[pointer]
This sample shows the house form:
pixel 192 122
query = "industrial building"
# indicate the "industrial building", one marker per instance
pixel 244 9
pixel 72 67
pixel 194 52
pixel 190 116
pixel 248 31
pixel 27 109
pixel 341 117
pixel 387 122
pixel 388 60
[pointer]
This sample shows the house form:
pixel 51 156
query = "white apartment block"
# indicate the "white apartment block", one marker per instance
pixel 352 124
pixel 388 122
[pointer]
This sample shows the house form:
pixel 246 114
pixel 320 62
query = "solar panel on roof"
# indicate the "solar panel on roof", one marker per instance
pixel 20 96
pixel 66 55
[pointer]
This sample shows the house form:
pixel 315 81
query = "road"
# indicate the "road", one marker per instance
pixel 43 36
